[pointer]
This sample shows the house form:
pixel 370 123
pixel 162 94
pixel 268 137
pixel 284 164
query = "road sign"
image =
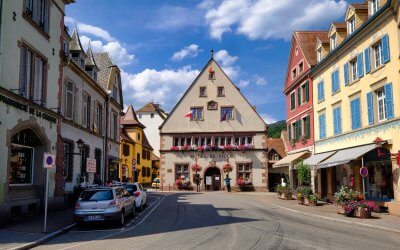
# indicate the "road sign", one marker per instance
pixel 364 172
pixel 49 160
pixel 134 168
pixel 134 162
pixel 91 165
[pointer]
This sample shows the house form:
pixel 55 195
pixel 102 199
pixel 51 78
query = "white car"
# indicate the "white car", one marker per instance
pixel 136 189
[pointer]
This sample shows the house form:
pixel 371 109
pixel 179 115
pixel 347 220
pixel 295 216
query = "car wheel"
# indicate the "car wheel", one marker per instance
pixel 121 221
pixel 134 210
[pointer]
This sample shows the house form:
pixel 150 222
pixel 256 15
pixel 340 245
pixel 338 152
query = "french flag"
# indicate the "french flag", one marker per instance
pixel 189 114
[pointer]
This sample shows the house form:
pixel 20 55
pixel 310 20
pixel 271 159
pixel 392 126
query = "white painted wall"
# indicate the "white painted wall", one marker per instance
pixel 152 132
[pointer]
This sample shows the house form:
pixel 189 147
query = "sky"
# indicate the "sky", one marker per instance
pixel 162 45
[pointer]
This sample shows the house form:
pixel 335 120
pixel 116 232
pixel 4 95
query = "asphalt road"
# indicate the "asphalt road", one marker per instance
pixel 223 221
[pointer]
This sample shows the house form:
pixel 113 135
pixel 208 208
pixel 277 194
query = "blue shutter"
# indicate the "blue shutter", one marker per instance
pixel 333 82
pixel 322 90
pixel 322 126
pixel 319 91
pixel 335 124
pixel 353 115
pixel 337 80
pixel 370 107
pixel 339 120
pixel 358 113
pixel 367 57
pixel 385 49
pixel 346 74
pixel 389 100
pixel 360 65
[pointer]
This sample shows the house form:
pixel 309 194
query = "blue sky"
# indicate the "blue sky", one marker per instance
pixel 162 45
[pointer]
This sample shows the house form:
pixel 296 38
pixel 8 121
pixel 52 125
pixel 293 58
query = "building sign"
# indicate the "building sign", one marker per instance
pixel 90 165
pixel 211 156
pixel 208 180
pixel 31 110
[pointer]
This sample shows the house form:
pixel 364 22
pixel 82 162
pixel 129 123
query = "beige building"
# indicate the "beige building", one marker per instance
pixel 213 123
pixel 30 80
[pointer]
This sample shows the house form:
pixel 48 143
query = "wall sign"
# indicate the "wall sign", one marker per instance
pixel 91 165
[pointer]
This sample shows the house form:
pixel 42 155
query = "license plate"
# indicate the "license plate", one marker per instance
pixel 93 217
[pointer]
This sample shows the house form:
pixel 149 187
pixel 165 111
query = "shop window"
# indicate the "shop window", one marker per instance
pixel 97 156
pixel 84 155
pixel 244 171
pixel 181 171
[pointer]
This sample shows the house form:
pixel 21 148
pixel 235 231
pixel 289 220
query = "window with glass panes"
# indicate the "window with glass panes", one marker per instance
pixel 181 170
pixel 377 50
pixel 197 113
pixel 244 170
pixel 381 104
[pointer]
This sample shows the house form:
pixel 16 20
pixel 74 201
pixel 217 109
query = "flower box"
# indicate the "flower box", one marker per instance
pixel 362 213
pixel 285 196
pixel 340 209
pixel 310 202
pixel 300 199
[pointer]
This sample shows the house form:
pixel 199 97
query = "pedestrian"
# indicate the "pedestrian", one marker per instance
pixel 228 183
pixel 97 180
pixel 197 181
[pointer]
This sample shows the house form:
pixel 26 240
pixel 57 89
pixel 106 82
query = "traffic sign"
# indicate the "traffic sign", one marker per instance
pixel 49 160
pixel 134 162
pixel 364 172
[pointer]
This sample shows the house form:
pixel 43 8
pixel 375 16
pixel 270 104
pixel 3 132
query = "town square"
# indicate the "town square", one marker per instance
pixel 199 124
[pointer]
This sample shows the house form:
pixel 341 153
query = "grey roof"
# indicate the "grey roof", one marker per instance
pixel 75 44
pixel 105 64
pixel 89 61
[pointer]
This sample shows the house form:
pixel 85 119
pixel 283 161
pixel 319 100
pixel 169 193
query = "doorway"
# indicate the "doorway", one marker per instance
pixel 212 179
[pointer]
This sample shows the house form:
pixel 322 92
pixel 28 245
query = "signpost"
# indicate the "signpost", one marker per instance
pixel 91 165
pixel 49 161
pixel 363 173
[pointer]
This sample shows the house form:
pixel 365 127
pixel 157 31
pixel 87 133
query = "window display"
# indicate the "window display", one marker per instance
pixel 21 160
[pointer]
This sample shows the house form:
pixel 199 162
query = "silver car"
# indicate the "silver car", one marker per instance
pixel 103 204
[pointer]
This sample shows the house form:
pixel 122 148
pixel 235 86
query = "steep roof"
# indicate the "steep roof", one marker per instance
pixel 124 136
pixel 130 118
pixel 278 145
pixel 154 157
pixel 145 142
pixel 307 41
pixel 105 64
pixel 360 6
pixel 90 59
pixel 153 107
pixel 340 25
pixel 75 44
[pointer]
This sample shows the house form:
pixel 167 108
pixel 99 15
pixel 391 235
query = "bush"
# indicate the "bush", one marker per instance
pixel 303 174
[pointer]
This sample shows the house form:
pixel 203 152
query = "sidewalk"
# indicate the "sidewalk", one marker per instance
pixel 381 221
pixel 29 230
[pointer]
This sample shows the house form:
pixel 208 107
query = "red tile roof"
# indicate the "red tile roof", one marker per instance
pixel 340 25
pixel 130 119
pixel 307 41
pixel 278 145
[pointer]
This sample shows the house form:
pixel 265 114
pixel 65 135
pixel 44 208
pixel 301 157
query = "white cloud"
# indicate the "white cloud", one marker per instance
pixel 116 49
pixel 259 80
pixel 159 85
pixel 228 65
pixel 268 119
pixel 265 19
pixel 172 18
pixel 243 83
pixel 188 51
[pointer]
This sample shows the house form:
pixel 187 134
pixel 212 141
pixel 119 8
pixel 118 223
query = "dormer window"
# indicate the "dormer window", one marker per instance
pixel 95 76
pixel 374 6
pixel 319 54
pixel 115 88
pixel 333 41
pixel 351 25
pixel 82 63
pixel 294 73
pixel 301 67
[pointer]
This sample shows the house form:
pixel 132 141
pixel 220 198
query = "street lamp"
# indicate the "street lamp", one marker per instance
pixel 81 145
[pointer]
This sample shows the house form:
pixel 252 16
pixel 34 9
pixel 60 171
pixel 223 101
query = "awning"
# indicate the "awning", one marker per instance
pixel 314 159
pixel 289 159
pixel 346 155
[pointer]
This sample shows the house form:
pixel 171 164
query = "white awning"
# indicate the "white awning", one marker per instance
pixel 346 155
pixel 289 159
pixel 314 159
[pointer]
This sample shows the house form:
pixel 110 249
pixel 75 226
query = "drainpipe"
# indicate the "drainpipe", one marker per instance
pixel 106 165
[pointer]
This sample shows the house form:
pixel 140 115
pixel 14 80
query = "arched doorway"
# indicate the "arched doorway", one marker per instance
pixel 212 179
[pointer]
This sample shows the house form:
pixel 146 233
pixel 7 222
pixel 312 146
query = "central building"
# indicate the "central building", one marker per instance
pixel 213 125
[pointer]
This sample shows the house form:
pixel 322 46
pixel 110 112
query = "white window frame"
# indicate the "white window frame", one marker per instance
pixel 377 54
pixel 381 104
pixel 333 40
pixel 353 70
pixel 319 54
pixel 351 25
pixel 72 93
pixel 374 6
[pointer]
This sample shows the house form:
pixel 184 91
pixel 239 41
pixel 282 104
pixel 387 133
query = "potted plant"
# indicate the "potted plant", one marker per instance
pixel 300 197
pixel 364 209
pixel 196 168
pixel 284 192
pixel 347 200
pixel 311 200
pixel 227 168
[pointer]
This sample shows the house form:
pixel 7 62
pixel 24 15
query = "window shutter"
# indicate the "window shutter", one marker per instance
pixel 319 91
pixel 370 107
pixel 335 126
pixel 298 129
pixel 385 49
pixel 322 91
pixel 299 96
pixel 346 74
pixel 360 65
pixel 307 126
pixel 322 126
pixel 75 106
pixel 358 113
pixel 333 82
pixel 337 84
pixel 389 100
pixel 339 122
pixel 353 114
pixel 307 92
pixel 367 56
pixel 290 132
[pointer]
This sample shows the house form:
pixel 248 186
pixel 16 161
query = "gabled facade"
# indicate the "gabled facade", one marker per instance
pixel 30 77
pixel 357 113
pixel 152 116
pixel 136 152
pixel 83 116
pixel 213 123
pixel 109 78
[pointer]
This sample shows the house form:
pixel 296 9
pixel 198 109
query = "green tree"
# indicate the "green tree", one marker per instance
pixel 303 174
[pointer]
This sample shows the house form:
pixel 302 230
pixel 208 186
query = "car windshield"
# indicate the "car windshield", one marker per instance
pixel 157 180
pixel 96 195
pixel 130 187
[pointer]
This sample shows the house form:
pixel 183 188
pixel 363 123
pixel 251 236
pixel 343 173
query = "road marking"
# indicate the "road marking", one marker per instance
pixel 156 204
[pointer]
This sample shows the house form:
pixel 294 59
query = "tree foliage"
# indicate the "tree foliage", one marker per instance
pixel 274 129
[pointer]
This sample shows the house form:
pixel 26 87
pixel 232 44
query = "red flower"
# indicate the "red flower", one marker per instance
pixel 196 167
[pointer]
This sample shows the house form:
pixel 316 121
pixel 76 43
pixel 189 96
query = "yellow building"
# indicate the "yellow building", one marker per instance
pixel 357 104
pixel 135 152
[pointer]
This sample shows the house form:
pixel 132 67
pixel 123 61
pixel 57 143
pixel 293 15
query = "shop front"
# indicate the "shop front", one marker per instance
pixel 113 168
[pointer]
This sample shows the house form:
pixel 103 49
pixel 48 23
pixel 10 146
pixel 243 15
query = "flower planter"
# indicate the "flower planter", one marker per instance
pixel 300 199
pixel 285 196
pixel 340 209
pixel 309 202
pixel 362 213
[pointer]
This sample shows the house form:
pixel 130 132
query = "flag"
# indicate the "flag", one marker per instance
pixel 189 114
pixel 224 116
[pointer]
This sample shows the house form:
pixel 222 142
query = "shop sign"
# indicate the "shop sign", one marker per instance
pixel 211 156
pixel 91 165
pixel 364 172
pixel 31 110
pixel 49 160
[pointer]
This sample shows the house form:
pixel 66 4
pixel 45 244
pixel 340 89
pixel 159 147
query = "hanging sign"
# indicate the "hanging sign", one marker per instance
pixel 91 165
pixel 364 172
pixel 49 160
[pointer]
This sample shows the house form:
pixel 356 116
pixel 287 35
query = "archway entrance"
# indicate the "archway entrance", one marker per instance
pixel 212 179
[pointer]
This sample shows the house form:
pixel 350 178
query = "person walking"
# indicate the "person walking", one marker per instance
pixel 228 183
pixel 197 181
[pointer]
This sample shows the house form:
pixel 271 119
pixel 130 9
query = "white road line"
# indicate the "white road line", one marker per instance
pixel 128 229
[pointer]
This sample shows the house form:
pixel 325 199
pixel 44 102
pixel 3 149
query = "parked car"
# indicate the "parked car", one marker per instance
pixel 156 183
pixel 136 189
pixel 101 204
